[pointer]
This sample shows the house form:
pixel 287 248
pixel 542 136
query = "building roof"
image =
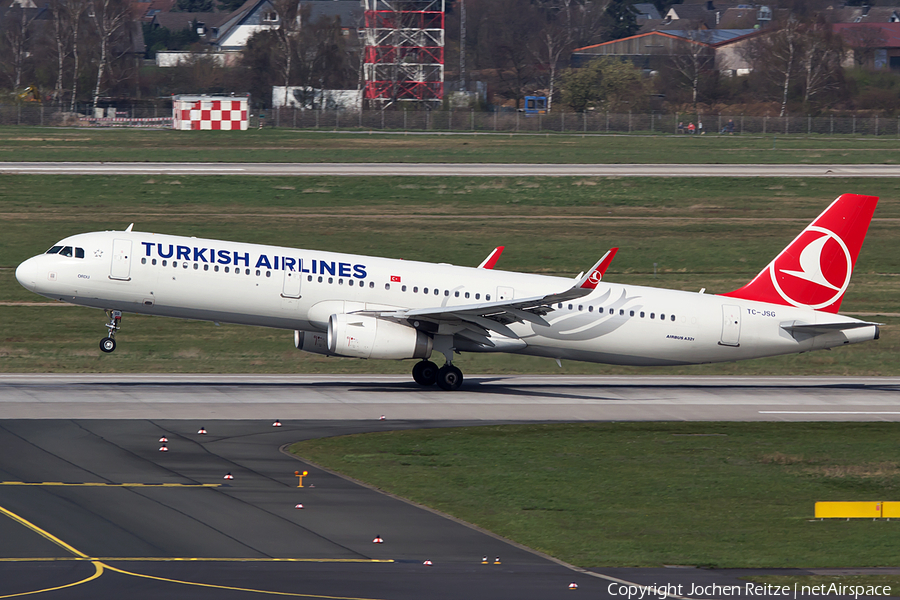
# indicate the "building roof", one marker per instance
pixel 890 32
pixel 711 36
pixel 350 11
pixel 646 10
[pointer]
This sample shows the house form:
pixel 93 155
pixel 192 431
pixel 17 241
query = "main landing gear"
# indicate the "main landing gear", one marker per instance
pixel 108 344
pixel 447 377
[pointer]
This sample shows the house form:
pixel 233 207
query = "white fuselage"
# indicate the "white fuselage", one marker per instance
pixel 296 289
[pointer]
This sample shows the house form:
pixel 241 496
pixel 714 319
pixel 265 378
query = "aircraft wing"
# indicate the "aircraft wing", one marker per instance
pixel 475 321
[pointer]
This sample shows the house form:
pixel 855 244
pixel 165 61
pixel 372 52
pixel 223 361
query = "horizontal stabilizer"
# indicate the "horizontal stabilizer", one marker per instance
pixel 813 328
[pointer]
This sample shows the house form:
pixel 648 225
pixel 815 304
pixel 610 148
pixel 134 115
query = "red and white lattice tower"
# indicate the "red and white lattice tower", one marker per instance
pixel 404 54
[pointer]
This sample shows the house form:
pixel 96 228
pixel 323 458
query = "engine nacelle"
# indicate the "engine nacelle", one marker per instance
pixel 312 341
pixel 367 337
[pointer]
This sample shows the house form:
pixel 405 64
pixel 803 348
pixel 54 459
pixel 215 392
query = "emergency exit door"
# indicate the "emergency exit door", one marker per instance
pixel 120 268
pixel 731 325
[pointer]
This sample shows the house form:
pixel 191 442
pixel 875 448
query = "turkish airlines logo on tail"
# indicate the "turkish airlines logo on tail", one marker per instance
pixel 819 276
pixel 594 277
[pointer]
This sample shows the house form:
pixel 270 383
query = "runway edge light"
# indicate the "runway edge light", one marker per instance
pixel 378 540
pixel 228 476
pixel 277 423
pixel 427 563
pixel 573 586
pixel 497 561
pixel 299 506
pixel 484 560
pixel 202 431
pixel 163 440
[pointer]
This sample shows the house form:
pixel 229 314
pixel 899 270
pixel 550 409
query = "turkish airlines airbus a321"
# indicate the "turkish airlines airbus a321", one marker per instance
pixel 368 307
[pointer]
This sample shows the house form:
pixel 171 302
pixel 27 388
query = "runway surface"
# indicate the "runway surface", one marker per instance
pixel 93 509
pixel 447 169
pixel 481 398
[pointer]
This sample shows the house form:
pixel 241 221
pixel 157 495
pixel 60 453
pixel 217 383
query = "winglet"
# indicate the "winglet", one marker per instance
pixel 594 276
pixel 492 258
pixel 130 227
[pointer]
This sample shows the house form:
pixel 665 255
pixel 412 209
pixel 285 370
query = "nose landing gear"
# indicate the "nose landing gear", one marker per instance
pixel 108 344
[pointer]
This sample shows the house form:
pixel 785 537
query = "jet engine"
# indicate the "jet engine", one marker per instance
pixel 312 341
pixel 367 337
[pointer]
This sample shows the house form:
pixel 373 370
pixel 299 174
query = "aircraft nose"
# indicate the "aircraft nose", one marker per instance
pixel 26 273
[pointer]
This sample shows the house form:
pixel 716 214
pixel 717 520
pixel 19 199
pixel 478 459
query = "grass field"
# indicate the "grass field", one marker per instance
pixel 646 494
pixel 712 233
pixel 286 145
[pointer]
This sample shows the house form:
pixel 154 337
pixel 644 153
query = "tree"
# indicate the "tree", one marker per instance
pixel 692 58
pixel 605 83
pixel 821 62
pixel 776 57
pixel 505 45
pixel 620 20
pixel 289 23
pixel 17 34
pixel 72 14
pixel 864 40
pixel 194 6
pixel 109 18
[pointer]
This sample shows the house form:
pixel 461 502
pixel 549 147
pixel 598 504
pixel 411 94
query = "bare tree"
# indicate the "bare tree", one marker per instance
pixel 73 13
pixel 290 20
pixel 550 45
pixel 61 38
pixel 109 17
pixel 821 61
pixel 864 40
pixel 777 56
pixel 17 34
pixel 692 58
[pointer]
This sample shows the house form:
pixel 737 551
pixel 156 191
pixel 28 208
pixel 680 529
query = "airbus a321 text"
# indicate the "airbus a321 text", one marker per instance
pixel 368 307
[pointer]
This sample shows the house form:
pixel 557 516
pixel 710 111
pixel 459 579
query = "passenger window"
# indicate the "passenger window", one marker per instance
pixel 642 314
pixel 227 269
pixel 436 291
pixel 671 317
pixel 54 250
pixel 570 307
pixel 621 313
pixel 467 294
pixel 143 261
pixel 415 289
pixel 309 277
pixel 350 282
pixel 216 268
pixel 67 251
pixel 174 264
pixel 320 279
pixel 591 309
pixel 631 313
pixel 206 267
pixel 79 252
pixel 424 290
pixel 340 282
pixel 153 262
pixel 559 305
pixel 446 292
pixel 387 286
pixel 165 264
pixel 403 289
pixel 196 266
pixel 652 315
pixel 487 297
pixel 611 311
pixel 456 294
pixel 580 307
pixel 478 296
pixel 268 273
pixel 371 284
pixel 184 265
pixel 662 317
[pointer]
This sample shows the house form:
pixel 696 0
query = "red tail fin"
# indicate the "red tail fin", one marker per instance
pixel 814 270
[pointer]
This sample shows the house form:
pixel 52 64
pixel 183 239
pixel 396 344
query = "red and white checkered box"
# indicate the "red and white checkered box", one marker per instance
pixel 210 113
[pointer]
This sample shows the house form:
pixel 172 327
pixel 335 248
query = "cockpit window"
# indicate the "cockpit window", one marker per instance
pixel 54 250
pixel 79 252
pixel 67 251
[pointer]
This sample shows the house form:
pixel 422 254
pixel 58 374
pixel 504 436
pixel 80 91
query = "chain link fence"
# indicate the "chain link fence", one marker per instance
pixel 159 115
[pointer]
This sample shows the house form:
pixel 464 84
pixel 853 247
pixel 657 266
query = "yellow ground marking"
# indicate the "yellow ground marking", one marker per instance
pixel 98 571
pixel 236 589
pixel 43 533
pixel 189 559
pixel 97 484
pixel 100 566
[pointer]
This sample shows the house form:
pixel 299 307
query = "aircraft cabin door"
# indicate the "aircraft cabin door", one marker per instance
pixel 120 268
pixel 505 293
pixel 291 288
pixel 731 325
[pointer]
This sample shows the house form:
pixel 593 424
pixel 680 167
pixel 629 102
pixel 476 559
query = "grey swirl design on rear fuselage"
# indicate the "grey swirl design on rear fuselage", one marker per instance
pixel 583 325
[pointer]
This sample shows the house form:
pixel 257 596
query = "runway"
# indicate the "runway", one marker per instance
pixel 481 398
pixel 448 170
